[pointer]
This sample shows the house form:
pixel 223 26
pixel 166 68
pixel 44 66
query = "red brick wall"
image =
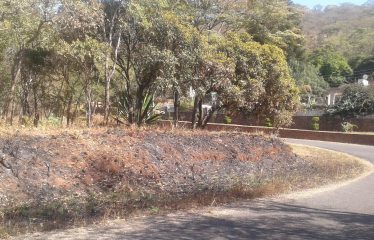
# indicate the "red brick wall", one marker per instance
pixel 354 138
pixel 327 123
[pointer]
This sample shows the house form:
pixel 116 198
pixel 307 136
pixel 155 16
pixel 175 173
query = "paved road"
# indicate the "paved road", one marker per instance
pixel 343 213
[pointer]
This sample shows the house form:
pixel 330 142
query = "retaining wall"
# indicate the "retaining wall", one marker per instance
pixel 354 138
pixel 327 123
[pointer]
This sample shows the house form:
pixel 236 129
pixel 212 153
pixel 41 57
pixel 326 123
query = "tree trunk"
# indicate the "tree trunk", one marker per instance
pixel 194 112
pixel 109 75
pixel 68 111
pixel 25 106
pixel 89 104
pixel 139 105
pixel 107 100
pixel 130 116
pixel 209 116
pixel 89 110
pixel 176 108
pixel 9 104
pixel 201 115
pixel 36 108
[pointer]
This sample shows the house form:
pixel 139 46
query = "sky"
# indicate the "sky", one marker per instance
pixel 312 3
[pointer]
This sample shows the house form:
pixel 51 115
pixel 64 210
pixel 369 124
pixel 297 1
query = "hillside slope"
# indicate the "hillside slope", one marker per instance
pixel 348 28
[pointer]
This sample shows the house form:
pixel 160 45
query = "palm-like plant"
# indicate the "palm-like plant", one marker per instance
pixel 145 115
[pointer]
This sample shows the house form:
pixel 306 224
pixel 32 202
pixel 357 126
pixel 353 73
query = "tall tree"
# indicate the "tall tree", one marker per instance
pixel 144 59
pixel 332 66
pixel 23 23
pixel 276 22
pixel 112 36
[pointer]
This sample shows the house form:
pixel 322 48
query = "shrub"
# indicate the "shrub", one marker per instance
pixel 348 127
pixel 282 119
pixel 356 100
pixel 315 123
pixel 186 105
pixel 54 122
pixel 227 120
pixel 268 122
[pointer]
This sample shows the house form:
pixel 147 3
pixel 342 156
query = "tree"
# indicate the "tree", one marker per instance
pixel 80 50
pixel 356 101
pixel 262 81
pixel 348 29
pixel 276 22
pixel 144 59
pixel 212 75
pixel 281 99
pixel 365 66
pixel 64 58
pixel 308 78
pixel 183 41
pixel 333 67
pixel 112 36
pixel 22 23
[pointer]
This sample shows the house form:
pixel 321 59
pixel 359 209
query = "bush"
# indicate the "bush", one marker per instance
pixel 54 122
pixel 227 120
pixel 315 123
pixel 282 119
pixel 268 122
pixel 348 127
pixel 186 105
pixel 356 101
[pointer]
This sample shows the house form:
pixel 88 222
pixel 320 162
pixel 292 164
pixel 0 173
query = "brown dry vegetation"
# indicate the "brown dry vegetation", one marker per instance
pixel 73 177
pixel 332 166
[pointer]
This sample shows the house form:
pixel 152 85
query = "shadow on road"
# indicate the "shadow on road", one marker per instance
pixel 252 220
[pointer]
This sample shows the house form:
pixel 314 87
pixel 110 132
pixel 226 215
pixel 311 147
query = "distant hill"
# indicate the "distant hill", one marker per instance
pixel 348 28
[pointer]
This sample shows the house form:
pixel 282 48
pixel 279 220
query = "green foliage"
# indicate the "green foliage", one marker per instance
pixel 348 29
pixel 308 79
pixel 65 57
pixel 365 66
pixel 356 101
pixel 262 85
pixel 53 121
pixel 268 122
pixel 348 127
pixel 332 66
pixel 145 116
pixel 315 123
pixel 186 105
pixel 275 22
pixel 227 120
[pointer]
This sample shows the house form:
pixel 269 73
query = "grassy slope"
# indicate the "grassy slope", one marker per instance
pixel 73 177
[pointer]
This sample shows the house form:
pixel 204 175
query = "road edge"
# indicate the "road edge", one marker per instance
pixel 330 187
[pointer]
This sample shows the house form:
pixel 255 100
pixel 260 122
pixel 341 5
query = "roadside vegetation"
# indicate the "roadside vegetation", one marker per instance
pixel 72 59
pixel 122 61
pixel 65 178
pixel 82 84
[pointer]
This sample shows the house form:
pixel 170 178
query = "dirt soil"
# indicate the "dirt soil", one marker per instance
pixel 62 177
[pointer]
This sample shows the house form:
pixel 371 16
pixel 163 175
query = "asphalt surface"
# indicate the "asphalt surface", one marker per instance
pixel 346 212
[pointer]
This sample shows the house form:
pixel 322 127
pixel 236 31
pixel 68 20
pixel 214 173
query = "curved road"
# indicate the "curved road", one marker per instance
pixel 344 213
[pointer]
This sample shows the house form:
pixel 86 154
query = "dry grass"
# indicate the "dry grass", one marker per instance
pixel 119 172
pixel 331 166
